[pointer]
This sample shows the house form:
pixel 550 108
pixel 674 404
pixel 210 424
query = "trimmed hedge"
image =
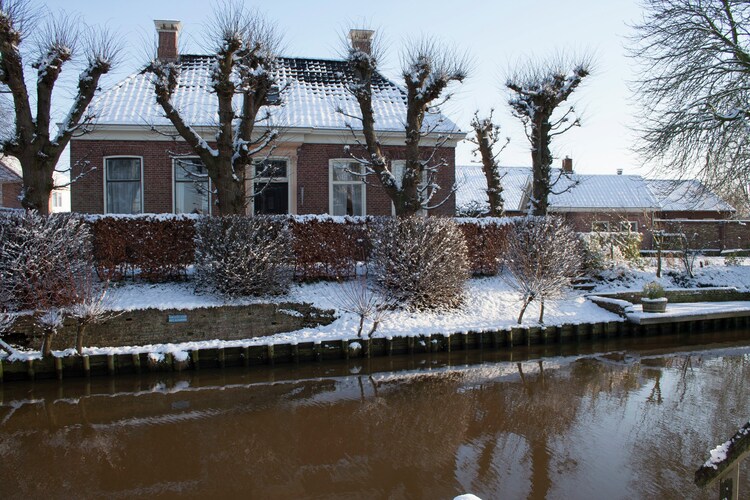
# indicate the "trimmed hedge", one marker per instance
pixel 160 247
pixel 154 247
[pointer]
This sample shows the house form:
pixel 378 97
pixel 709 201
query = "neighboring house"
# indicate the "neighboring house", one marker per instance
pixel 10 182
pixel 597 202
pixel 135 169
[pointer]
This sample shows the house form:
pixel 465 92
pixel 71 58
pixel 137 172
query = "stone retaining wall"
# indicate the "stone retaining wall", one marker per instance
pixel 153 326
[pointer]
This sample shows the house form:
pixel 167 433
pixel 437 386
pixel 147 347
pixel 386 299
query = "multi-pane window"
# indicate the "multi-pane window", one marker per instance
pixel 124 189
pixel 629 225
pixel 600 226
pixel 191 186
pixel 271 187
pixel 347 188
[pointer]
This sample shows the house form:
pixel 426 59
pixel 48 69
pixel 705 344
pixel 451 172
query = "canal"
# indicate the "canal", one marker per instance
pixel 623 418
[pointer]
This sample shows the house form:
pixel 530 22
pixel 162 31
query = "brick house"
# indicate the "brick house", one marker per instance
pixel 10 182
pixel 599 202
pixel 134 166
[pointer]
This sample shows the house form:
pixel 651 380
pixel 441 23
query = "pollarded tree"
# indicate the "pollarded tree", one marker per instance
pixel 695 87
pixel 537 90
pixel 486 138
pixel 427 69
pixel 32 142
pixel 246 47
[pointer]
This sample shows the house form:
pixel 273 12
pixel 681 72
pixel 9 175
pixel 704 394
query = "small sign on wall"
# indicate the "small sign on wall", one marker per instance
pixel 177 318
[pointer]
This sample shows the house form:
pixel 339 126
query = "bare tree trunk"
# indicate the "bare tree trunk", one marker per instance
pixel 46 344
pixel 541 311
pixel 526 303
pixel 79 337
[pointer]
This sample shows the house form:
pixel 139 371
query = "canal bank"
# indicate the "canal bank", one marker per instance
pixel 224 354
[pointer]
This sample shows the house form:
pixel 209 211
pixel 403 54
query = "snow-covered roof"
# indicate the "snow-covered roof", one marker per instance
pixel 472 186
pixel 311 91
pixel 590 192
pixel 10 169
pixel 689 194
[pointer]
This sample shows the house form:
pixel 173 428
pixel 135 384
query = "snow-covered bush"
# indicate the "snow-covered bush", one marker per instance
pixel 355 296
pixel 239 256
pixel 39 256
pixel 50 321
pixel 543 257
pixel 420 262
pixel 603 249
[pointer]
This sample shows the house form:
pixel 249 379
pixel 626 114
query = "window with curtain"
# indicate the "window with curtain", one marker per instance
pixel 124 186
pixel 347 188
pixel 191 186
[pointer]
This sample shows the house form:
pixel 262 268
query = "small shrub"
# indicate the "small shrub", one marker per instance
pixel 733 259
pixel 602 249
pixel 543 258
pixel 39 255
pixel 420 262
pixel 241 256
pixel 653 290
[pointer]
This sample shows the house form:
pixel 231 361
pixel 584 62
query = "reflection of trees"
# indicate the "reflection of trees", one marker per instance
pixel 369 436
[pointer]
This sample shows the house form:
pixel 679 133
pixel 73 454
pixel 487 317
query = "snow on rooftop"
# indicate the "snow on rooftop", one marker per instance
pixel 311 90
pixel 10 169
pixel 688 194
pixel 590 192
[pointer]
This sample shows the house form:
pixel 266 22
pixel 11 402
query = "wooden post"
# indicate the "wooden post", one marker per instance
pixel 345 348
pixel 111 364
pixel 30 369
pixel 295 352
pixel 389 345
pixel 1 370
pixel 86 365
pixel 270 350
pixel 220 356
pixel 137 362
pixel 58 368
pixel 246 356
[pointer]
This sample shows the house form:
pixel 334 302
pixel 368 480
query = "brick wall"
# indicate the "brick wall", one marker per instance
pixel 10 193
pixel 709 234
pixel 312 175
pixel 152 326
pixel 87 193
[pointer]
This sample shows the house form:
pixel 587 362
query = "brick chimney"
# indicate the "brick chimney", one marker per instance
pixel 361 40
pixel 567 164
pixel 167 31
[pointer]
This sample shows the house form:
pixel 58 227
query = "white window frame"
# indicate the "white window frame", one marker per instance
pixel 331 183
pixel 629 225
pixel 286 179
pixel 174 185
pixel 114 157
pixel 604 223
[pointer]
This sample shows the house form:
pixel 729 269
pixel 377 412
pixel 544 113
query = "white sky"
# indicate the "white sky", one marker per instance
pixel 495 34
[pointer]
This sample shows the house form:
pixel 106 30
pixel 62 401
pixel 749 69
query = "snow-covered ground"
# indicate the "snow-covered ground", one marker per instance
pixel 709 272
pixel 490 304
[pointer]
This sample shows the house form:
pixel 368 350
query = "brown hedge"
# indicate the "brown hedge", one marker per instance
pixel 487 241
pixel 161 247
pixel 328 248
pixel 154 248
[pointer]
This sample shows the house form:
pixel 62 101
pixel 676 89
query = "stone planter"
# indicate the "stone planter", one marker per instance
pixel 654 305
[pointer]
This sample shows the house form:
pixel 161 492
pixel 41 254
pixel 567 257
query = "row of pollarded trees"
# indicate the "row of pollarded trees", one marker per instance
pixel 695 55
pixel 245 46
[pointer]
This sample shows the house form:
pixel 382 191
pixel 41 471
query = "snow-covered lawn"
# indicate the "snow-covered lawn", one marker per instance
pixel 490 304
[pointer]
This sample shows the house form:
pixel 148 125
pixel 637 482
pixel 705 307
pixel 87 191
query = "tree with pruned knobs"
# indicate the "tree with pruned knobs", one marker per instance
pixel 428 70
pixel 537 91
pixel 246 46
pixel 694 61
pixel 36 147
pixel 486 138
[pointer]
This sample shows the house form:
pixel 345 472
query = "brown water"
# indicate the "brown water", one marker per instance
pixel 631 419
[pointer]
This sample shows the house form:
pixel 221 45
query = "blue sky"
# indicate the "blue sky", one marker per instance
pixel 496 35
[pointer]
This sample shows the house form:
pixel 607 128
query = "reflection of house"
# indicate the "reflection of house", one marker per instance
pixel 139 170
pixel 10 182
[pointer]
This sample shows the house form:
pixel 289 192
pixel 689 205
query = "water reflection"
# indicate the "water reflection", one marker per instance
pixel 629 423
